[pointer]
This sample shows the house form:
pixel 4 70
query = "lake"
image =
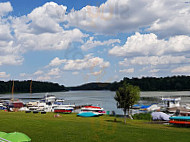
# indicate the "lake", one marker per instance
pixel 103 99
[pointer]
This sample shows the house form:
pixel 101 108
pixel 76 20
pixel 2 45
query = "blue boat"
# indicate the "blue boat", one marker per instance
pixel 180 120
pixel 87 114
pixel 186 118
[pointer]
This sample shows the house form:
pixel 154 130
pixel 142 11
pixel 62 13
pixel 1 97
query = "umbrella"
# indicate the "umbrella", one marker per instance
pixel 17 137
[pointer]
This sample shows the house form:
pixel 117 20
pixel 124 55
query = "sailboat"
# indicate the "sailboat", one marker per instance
pixel 15 103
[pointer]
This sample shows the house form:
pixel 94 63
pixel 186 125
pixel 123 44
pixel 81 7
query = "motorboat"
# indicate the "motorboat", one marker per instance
pixel 94 109
pixel 48 98
pixel 23 109
pixel 63 109
pixel 2 107
pixel 171 102
pixel 88 114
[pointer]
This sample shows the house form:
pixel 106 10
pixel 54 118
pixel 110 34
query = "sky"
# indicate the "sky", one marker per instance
pixel 72 42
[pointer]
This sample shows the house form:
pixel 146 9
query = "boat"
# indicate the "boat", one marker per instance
pixel 153 107
pixel 97 110
pixel 88 114
pixel 2 107
pixel 17 104
pixel 172 105
pixel 171 102
pixel 180 120
pixel 23 109
pixel 63 109
pixel 48 98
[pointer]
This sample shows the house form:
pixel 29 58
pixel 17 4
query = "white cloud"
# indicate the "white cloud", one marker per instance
pixel 88 62
pixel 79 64
pixel 155 60
pixel 23 74
pixel 43 78
pixel 5 32
pixel 131 70
pixel 154 70
pixel 9 51
pixel 47 18
pixel 41 29
pixel 11 60
pixel 54 72
pixel 4 75
pixel 176 20
pixel 183 69
pixel 149 44
pixel 96 73
pixel 5 8
pixel 56 62
pixel 169 17
pixel 75 73
pixel 39 72
pixel 91 43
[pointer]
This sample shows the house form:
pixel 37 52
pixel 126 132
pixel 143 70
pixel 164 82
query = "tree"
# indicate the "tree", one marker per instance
pixel 126 97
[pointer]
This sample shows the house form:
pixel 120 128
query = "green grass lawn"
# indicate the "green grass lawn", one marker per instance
pixel 69 128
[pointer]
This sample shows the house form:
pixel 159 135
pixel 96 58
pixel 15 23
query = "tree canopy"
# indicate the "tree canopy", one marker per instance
pixel 174 83
pixel 126 97
pixel 24 87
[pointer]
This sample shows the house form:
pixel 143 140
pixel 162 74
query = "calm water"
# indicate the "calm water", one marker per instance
pixel 103 99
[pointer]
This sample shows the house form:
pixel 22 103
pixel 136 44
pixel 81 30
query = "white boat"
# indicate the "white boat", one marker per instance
pixel 153 107
pixel 23 109
pixel 171 102
pixel 94 109
pixel 48 98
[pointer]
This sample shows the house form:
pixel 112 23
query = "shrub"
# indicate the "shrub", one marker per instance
pixel 142 116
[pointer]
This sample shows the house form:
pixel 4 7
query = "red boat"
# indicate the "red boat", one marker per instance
pixel 61 109
pixel 179 122
pixel 98 110
pixel 17 104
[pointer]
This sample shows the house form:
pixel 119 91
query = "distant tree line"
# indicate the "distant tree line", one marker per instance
pixel 24 87
pixel 174 83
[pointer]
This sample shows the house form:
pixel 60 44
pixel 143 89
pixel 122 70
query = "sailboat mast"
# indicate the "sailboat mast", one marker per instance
pixel 31 87
pixel 13 91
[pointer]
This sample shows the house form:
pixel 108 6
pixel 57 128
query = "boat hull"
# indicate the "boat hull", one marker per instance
pixel 179 122
pixel 62 111
pixel 87 114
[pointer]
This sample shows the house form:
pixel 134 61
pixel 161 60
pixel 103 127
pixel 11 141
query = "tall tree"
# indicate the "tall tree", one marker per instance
pixel 126 97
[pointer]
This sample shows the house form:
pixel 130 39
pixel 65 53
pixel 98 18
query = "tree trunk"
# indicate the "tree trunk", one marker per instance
pixel 129 114
pixel 125 116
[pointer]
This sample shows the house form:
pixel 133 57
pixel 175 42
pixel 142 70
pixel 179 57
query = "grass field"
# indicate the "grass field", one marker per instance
pixel 69 128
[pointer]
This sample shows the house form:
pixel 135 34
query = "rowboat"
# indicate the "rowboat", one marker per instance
pixel 97 110
pixel 88 114
pixel 180 120
pixel 63 109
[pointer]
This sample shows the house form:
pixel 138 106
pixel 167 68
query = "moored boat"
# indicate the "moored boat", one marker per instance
pixel 88 114
pixel 63 109
pixel 180 120
pixel 97 110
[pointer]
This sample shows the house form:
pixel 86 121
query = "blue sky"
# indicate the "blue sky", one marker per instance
pixel 78 41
